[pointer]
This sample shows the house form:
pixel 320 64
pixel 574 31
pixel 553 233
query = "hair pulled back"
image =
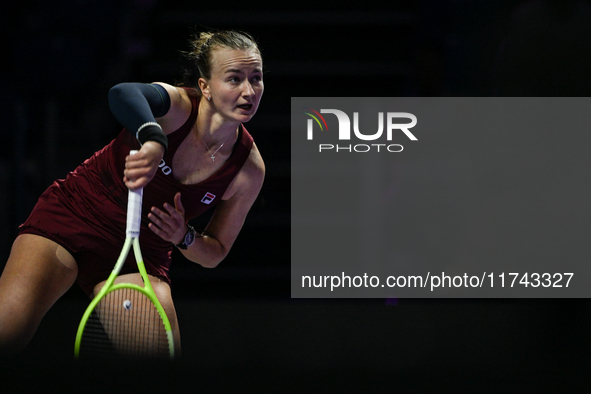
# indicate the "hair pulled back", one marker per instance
pixel 199 57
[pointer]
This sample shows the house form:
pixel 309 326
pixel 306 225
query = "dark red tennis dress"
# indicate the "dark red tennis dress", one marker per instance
pixel 86 212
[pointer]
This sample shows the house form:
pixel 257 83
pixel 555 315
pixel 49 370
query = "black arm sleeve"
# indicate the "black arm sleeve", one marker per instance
pixel 135 104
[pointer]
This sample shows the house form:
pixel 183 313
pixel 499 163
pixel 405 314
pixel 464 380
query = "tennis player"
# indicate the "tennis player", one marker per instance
pixel 194 154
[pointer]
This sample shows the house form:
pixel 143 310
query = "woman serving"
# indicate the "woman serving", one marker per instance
pixel 194 153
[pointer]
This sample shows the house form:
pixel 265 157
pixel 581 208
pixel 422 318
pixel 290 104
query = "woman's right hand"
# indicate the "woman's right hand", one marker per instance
pixel 141 167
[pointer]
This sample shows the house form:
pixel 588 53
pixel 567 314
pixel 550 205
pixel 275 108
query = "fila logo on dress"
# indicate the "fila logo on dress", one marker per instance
pixel 208 198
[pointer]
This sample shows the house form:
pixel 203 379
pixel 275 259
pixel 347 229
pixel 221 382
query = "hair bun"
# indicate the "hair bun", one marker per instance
pixel 202 45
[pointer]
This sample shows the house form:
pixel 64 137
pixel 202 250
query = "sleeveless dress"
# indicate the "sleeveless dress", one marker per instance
pixel 86 212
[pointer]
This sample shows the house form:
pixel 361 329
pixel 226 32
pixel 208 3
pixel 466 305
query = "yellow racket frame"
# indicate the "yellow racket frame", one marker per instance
pixel 134 209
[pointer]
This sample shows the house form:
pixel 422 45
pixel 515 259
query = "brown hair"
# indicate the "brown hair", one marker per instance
pixel 198 58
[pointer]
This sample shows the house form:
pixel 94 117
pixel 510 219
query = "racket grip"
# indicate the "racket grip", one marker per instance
pixel 134 210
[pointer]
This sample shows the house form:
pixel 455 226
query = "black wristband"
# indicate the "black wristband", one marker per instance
pixel 152 131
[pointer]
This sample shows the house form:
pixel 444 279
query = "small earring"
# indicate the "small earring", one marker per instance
pixel 208 98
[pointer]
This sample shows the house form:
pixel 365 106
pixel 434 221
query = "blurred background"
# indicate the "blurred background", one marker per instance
pixel 60 59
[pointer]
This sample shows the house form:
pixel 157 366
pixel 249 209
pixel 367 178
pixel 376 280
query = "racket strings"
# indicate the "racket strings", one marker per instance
pixel 125 322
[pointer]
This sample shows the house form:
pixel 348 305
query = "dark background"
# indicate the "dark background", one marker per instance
pixel 238 321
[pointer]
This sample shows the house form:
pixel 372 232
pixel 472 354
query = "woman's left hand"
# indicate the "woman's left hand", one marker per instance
pixel 169 224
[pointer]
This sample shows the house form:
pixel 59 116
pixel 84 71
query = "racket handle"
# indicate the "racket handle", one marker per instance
pixel 134 210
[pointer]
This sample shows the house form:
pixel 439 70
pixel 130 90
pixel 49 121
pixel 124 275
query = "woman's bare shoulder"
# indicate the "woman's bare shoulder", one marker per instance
pixel 180 108
pixel 249 180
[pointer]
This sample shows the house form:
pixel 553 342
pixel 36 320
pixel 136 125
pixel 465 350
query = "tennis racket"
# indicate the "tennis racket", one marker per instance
pixel 126 319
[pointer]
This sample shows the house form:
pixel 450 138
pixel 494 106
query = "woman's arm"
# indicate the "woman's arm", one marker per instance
pixel 134 104
pixel 179 111
pixel 150 111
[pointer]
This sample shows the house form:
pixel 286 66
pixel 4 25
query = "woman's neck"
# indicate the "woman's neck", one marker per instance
pixel 213 128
